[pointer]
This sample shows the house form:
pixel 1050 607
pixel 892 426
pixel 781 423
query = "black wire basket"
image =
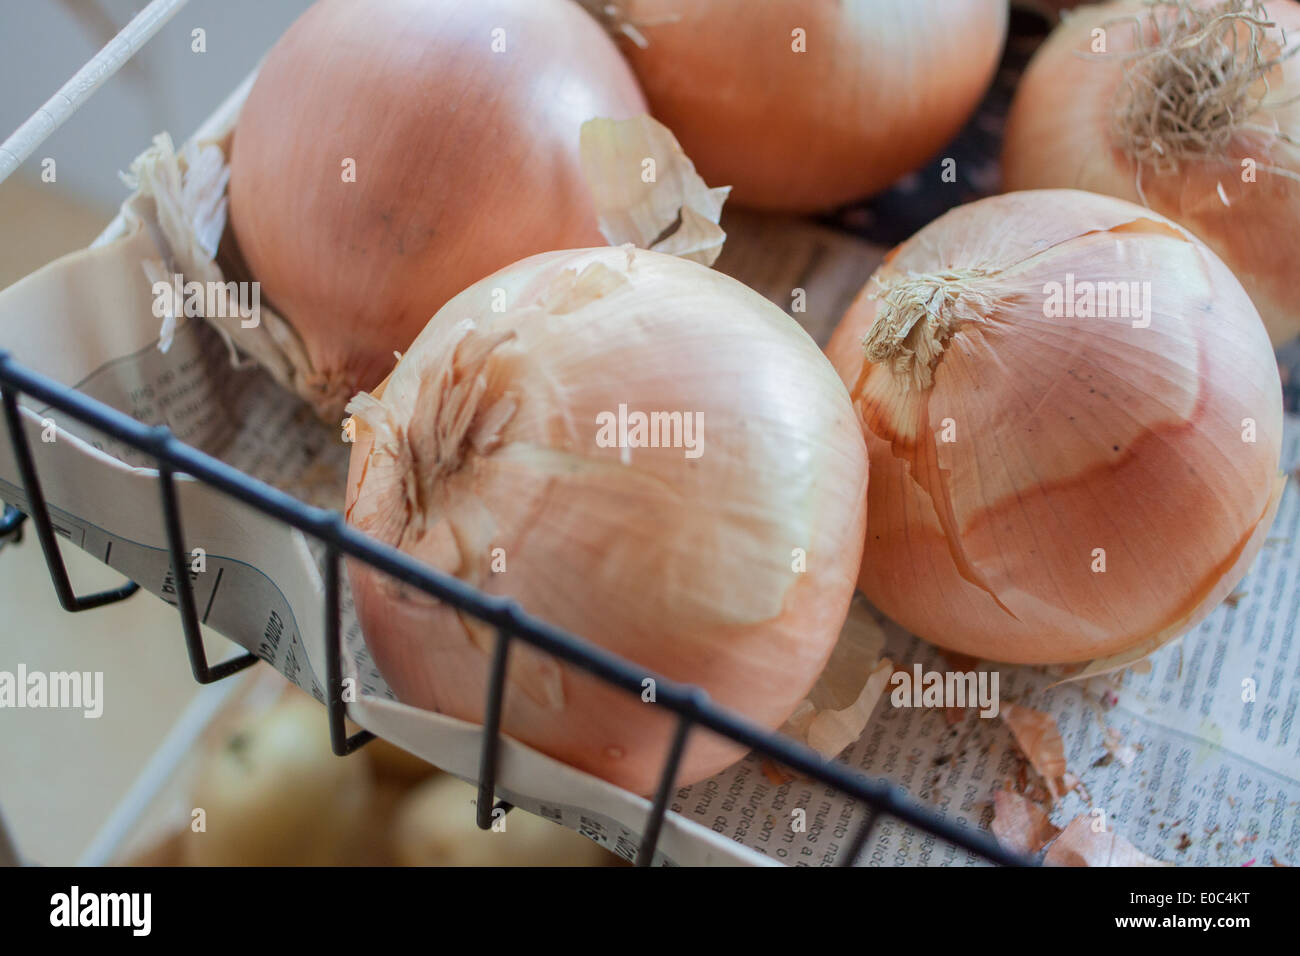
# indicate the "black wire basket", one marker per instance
pixel 689 704
pixel 885 219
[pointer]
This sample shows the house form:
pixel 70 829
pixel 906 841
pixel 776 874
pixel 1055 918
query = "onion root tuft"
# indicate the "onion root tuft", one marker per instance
pixel 1194 83
pixel 918 313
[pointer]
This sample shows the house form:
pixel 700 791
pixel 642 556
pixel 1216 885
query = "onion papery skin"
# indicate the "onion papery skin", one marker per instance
pixel 465 161
pixel 1059 134
pixel 1067 435
pixel 881 87
pixel 684 566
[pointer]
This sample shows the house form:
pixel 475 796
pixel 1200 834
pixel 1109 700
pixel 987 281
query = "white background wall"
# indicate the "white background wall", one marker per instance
pixel 165 87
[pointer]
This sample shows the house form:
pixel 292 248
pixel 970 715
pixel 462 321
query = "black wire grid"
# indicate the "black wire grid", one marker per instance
pixel 690 704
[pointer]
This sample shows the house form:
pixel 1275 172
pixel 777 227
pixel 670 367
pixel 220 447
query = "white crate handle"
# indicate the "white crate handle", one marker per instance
pixel 84 83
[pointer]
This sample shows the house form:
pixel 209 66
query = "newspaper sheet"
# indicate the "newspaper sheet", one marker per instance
pixel 1208 776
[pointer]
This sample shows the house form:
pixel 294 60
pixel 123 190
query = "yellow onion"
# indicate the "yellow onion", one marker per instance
pixel 1193 109
pixel 1053 484
pixel 725 557
pixel 391 152
pixel 801 106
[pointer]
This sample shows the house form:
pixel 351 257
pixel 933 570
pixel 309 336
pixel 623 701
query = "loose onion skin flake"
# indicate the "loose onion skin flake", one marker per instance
pixel 1192 109
pixel 731 569
pixel 801 105
pixel 388 156
pixel 1052 488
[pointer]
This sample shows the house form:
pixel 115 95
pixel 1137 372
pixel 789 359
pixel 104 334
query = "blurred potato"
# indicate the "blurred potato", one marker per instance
pixel 435 826
pixel 274 794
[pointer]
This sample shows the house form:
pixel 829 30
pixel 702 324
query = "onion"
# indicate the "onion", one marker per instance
pixel 880 87
pixel 1052 488
pixel 727 561
pixel 465 160
pixel 1199 121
